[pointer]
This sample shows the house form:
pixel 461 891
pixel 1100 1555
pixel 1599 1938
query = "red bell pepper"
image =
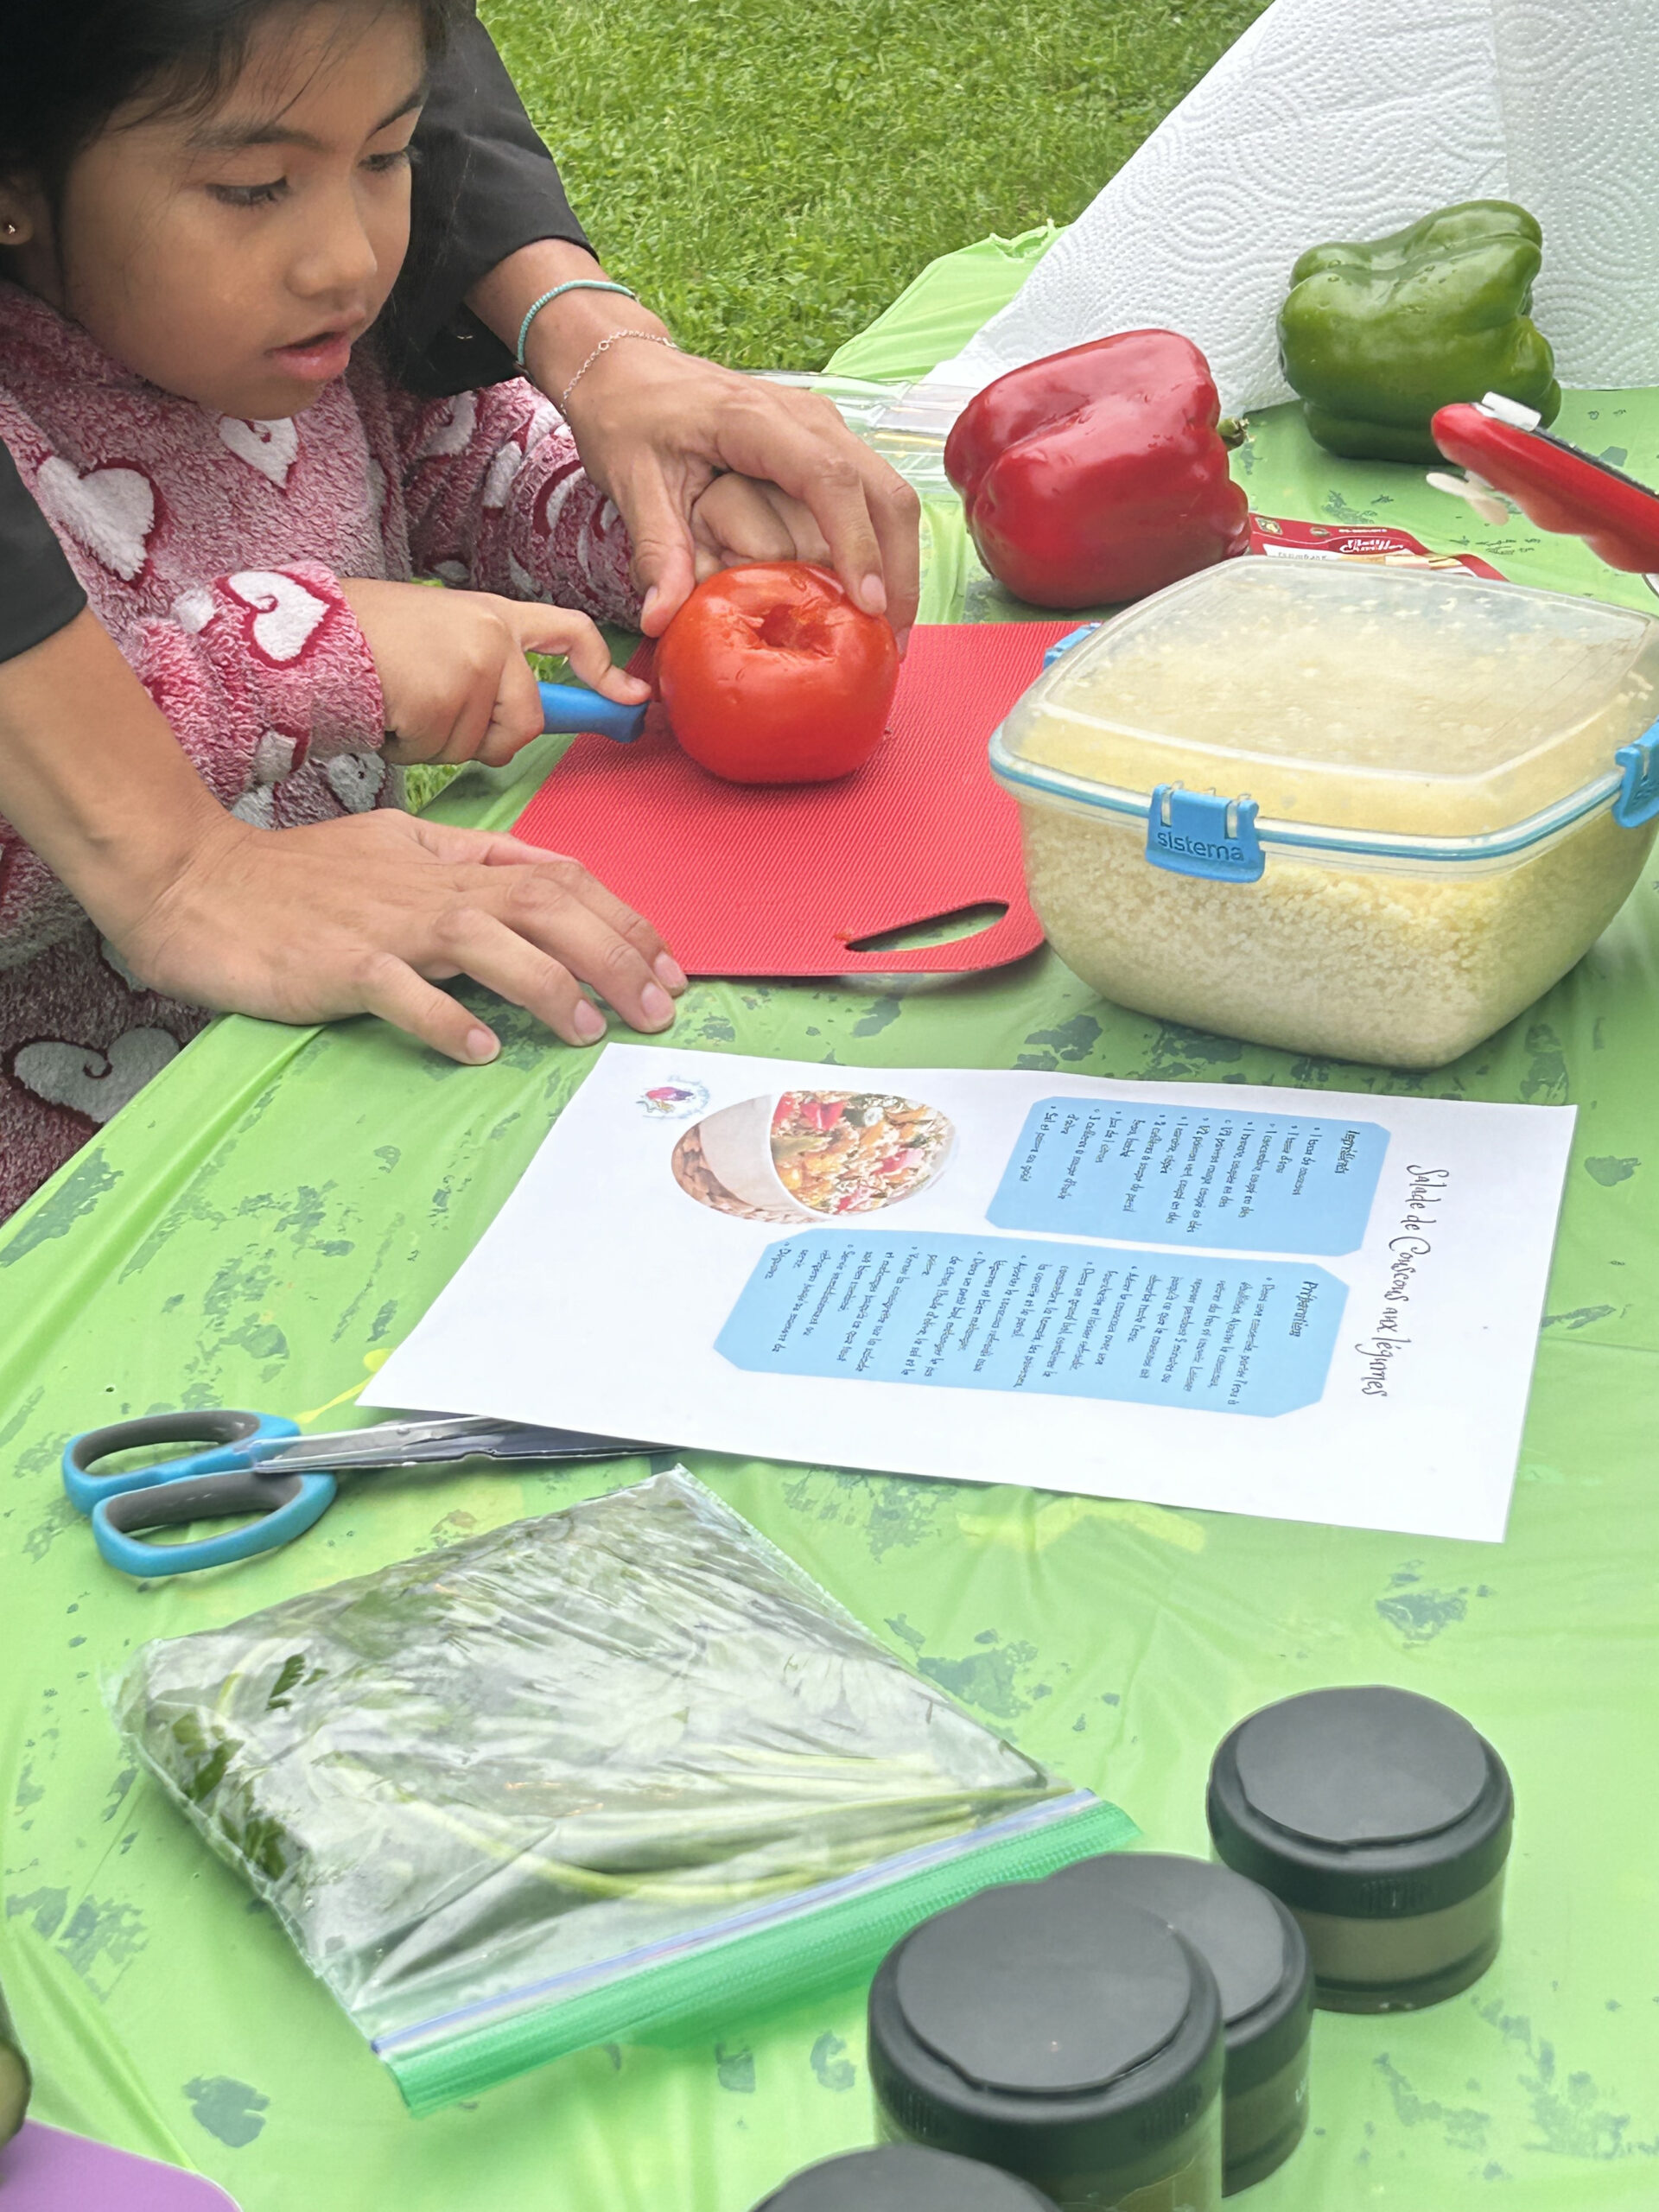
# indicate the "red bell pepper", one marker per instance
pixel 1099 474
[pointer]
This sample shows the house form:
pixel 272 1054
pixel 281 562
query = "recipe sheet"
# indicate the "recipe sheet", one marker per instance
pixel 1299 1304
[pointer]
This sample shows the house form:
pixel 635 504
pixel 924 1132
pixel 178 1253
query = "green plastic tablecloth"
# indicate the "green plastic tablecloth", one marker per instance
pixel 279 1207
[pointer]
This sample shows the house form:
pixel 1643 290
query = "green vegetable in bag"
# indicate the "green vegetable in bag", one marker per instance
pixel 1374 337
pixel 535 1755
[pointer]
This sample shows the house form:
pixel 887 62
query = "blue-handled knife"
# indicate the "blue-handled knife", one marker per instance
pixel 574 707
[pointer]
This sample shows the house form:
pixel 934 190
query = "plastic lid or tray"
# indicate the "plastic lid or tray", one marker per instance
pixel 1368 1803
pixel 1015 2012
pixel 45 2170
pixel 1253 1947
pixel 1368 711
pixel 905 2177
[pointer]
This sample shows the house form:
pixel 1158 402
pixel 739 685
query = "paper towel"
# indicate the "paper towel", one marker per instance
pixel 1347 119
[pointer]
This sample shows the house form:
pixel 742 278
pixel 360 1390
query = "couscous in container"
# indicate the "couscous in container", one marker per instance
pixel 1358 811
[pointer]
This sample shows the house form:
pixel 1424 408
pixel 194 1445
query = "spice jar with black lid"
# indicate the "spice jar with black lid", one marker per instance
pixel 1080 2048
pixel 1257 1954
pixel 1383 1820
pixel 903 2178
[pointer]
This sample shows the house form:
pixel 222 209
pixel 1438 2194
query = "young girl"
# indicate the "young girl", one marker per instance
pixel 203 206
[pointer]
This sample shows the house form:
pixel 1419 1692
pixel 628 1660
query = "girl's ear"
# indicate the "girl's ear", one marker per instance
pixel 20 212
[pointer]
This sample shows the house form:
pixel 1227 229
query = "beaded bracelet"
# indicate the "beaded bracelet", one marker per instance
pixel 571 284
pixel 651 337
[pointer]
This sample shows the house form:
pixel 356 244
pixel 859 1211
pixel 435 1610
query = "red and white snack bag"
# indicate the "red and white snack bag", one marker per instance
pixel 1393 549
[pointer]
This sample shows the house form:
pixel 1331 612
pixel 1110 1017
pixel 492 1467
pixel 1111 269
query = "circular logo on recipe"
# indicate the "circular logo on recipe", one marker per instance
pixel 676 1101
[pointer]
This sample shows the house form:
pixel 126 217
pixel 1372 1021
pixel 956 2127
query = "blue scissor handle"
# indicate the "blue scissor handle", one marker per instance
pixel 573 706
pixel 210 1484
pixel 222 1430
pixel 287 1506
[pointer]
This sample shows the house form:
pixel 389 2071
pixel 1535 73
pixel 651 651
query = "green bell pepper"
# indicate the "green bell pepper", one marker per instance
pixel 1373 337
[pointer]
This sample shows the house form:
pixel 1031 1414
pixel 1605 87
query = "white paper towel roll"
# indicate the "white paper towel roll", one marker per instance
pixel 1347 119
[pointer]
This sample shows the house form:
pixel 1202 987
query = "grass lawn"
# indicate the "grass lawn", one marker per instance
pixel 770 179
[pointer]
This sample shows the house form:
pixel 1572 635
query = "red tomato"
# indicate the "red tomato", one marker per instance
pixel 771 675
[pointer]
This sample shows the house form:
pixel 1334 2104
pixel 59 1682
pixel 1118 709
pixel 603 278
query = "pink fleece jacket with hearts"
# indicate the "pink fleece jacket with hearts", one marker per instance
pixel 212 550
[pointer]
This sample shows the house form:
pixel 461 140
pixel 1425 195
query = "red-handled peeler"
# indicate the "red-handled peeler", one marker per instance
pixel 1504 449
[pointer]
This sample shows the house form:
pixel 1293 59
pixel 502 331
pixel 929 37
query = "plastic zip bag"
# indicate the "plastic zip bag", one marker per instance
pixel 606 1773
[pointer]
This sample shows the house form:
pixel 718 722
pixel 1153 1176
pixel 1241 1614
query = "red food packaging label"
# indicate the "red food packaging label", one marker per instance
pixel 1391 548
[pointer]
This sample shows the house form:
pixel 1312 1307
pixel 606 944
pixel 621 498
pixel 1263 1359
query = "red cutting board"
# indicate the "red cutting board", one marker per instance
pixel 747 880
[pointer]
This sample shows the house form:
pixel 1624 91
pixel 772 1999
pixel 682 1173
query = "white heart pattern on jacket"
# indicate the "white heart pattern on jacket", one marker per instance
pixel 88 1081
pixel 277 755
pixel 113 959
pixel 269 446
pixel 502 470
pixel 451 427
pixel 111 511
pixel 287 616
pixel 355 780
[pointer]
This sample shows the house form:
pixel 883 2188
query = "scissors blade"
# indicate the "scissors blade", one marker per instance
pixel 422 1443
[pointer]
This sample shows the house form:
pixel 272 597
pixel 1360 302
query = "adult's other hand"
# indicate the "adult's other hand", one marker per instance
pixel 369 914
pixel 366 914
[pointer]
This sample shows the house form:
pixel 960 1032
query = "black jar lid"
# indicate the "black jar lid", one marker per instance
pixel 1253 1947
pixel 1368 1803
pixel 904 2177
pixel 1017 2029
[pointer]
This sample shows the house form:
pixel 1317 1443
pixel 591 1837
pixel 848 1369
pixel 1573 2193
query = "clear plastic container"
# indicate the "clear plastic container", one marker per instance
pixel 1360 812
pixel 906 424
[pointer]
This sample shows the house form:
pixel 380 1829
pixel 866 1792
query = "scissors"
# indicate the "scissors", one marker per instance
pixel 260 1464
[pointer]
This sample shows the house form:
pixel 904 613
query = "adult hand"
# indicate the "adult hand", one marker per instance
pixel 366 915
pixel 452 674
pixel 655 428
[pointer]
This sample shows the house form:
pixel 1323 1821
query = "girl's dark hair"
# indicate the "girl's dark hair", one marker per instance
pixel 70 65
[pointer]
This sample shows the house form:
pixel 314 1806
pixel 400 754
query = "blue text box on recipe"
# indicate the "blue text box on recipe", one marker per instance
pixel 1253 1179
pixel 1070 1321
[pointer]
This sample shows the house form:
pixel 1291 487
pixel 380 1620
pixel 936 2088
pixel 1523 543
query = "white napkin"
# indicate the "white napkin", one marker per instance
pixel 1348 119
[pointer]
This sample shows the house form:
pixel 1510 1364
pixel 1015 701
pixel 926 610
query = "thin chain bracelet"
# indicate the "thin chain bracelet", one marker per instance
pixel 651 337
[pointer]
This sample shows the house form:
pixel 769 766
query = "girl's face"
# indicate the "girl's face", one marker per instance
pixel 232 256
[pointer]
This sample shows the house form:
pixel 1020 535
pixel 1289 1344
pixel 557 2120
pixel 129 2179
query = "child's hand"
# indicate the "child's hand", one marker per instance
pixel 739 518
pixel 453 671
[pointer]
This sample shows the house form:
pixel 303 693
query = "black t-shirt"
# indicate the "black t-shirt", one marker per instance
pixel 38 591
pixel 485 185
